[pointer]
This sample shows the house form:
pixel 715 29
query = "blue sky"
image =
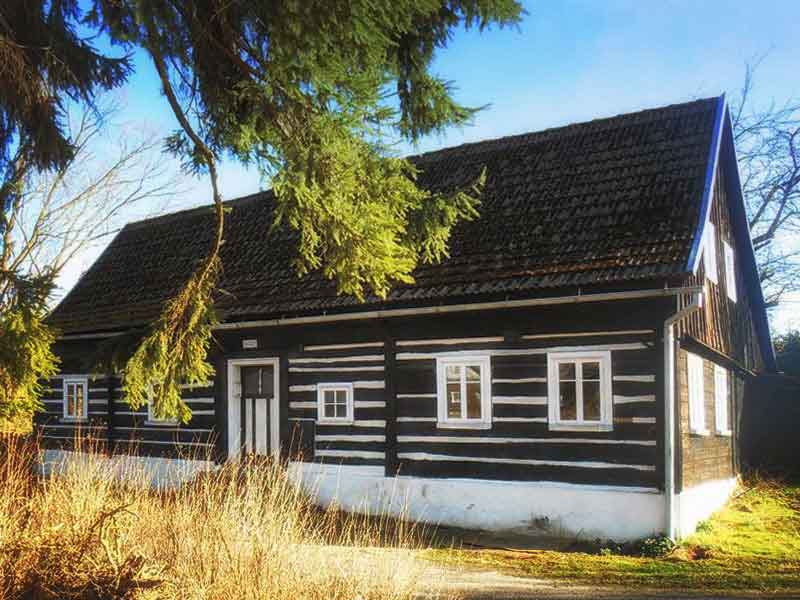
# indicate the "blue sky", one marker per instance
pixel 570 61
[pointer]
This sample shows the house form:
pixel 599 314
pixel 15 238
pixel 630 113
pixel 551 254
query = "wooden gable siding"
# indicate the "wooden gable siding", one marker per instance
pixel 724 325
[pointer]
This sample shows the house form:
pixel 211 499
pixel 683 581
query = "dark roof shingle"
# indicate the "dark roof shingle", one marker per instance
pixel 611 200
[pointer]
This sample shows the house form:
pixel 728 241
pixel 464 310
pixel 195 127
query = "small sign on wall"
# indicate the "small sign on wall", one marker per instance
pixel 249 344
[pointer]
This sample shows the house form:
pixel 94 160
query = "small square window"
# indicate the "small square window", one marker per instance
pixel 335 403
pixel 579 391
pixel 76 399
pixel 152 419
pixel 464 392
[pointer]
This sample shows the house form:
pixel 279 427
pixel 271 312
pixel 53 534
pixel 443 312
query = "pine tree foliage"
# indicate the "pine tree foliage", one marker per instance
pixel 312 92
pixel 309 91
pixel 175 350
pixel 44 64
pixel 25 345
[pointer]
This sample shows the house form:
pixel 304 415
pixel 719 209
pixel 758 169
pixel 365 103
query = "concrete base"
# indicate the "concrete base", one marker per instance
pixel 161 472
pixel 698 503
pixel 530 508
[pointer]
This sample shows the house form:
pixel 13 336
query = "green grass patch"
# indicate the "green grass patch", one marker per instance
pixel 751 544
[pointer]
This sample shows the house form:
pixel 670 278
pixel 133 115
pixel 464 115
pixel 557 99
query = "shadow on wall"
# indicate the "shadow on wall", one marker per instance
pixel 770 433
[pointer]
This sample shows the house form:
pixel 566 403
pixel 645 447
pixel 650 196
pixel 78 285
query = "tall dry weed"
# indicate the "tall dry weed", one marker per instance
pixel 243 531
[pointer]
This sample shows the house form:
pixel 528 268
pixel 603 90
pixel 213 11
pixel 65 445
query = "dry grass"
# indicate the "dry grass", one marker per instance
pixel 240 532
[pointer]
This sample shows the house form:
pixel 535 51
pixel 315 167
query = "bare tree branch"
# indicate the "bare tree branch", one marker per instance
pixel 58 215
pixel 768 148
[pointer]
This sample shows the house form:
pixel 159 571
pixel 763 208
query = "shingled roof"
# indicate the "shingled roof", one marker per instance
pixel 601 203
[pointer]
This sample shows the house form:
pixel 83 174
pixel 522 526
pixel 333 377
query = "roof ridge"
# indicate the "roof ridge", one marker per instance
pixel 509 139
pixel 558 128
pixel 166 218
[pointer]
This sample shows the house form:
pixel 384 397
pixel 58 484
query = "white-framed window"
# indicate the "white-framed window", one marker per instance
pixel 76 399
pixel 579 391
pixel 722 400
pixel 710 253
pixel 697 401
pixel 464 392
pixel 730 271
pixel 152 419
pixel 335 403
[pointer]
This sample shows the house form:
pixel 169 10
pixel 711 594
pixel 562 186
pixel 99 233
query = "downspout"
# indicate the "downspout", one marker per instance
pixel 671 506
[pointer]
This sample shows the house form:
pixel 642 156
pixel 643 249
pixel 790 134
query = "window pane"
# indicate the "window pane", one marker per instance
pixel 70 400
pixel 591 400
pixel 566 371
pixel 454 399
pixel 329 402
pixel 591 370
pixel 453 373
pixel 567 401
pixel 473 373
pixel 250 382
pixel 341 410
pixel 267 382
pixel 473 399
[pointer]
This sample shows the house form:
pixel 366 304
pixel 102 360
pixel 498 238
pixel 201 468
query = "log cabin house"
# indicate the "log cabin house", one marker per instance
pixel 575 367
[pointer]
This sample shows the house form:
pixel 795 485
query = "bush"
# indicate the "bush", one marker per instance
pixel 656 547
pixel 241 531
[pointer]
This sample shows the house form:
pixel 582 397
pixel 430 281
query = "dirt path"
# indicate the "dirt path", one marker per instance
pixel 490 585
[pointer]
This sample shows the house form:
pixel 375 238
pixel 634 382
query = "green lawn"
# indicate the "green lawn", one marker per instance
pixel 752 544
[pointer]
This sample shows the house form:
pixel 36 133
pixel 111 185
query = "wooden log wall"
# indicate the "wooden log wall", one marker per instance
pixel 112 425
pixel 391 364
pixel 519 444
pixel 361 364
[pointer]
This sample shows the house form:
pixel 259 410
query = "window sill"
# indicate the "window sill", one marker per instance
pixel 580 427
pixel 151 423
pixel 463 425
pixel 335 421
pixel 73 420
pixel 725 433
pixel 699 432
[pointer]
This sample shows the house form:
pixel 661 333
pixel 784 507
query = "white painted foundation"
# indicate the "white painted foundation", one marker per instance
pixel 530 508
pixel 161 472
pixel 698 503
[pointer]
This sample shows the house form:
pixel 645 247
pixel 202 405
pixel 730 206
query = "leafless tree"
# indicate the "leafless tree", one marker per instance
pixel 58 215
pixel 768 146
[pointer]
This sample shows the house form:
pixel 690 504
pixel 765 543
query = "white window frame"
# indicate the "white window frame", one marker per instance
pixel 483 363
pixel 151 417
pixel 695 383
pixel 335 387
pixel 710 253
pixel 83 382
pixel 730 271
pixel 555 423
pixel 721 400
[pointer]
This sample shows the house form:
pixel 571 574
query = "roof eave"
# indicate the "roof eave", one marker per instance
pixel 696 249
